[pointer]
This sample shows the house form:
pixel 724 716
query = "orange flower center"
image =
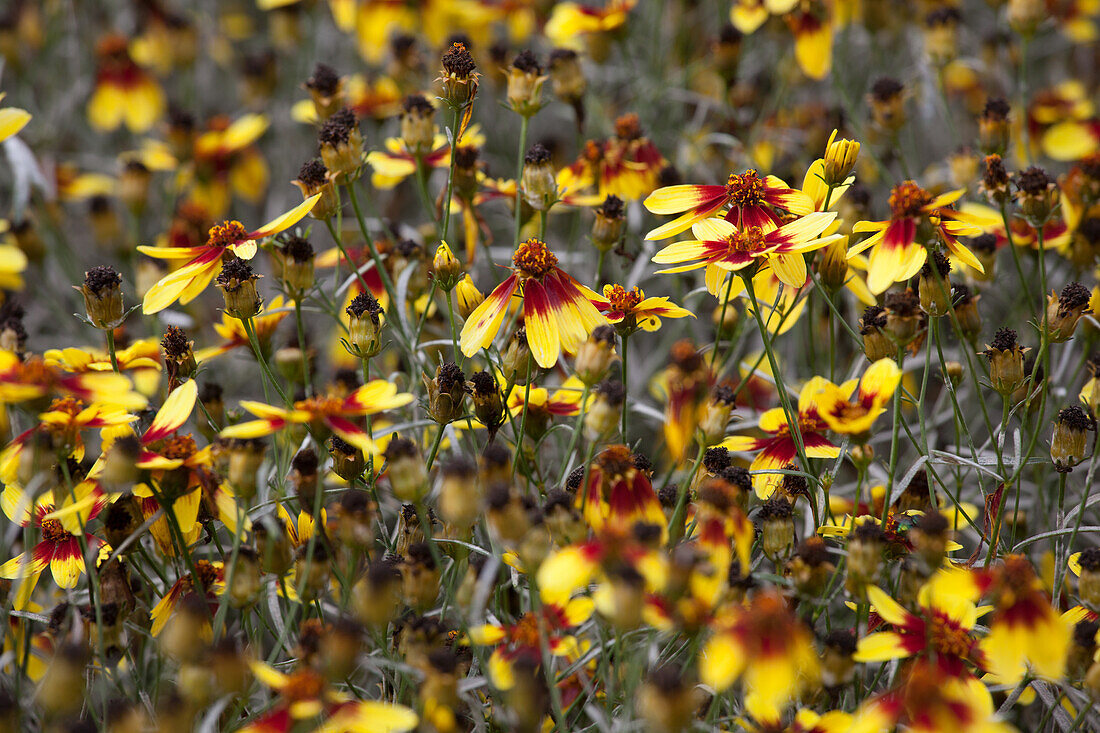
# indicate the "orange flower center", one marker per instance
pixel 53 532
pixel 947 637
pixel 907 199
pixel 226 234
pixel 34 371
pixel 181 447
pixel 534 258
pixel 320 405
pixel 849 411
pixel 304 684
pixel 746 189
pixel 622 299
pixel 751 240
pixel 525 633
pixel 69 405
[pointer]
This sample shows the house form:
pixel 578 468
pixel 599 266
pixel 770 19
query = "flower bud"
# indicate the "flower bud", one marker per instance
pixel 467 295
pixel 810 568
pixel 459 76
pixel 315 178
pixel 467 170
pixel 887 103
pixel 776 520
pixel 1037 195
pixel 271 546
pixel 237 282
pixel 934 285
pixel 420 577
pixel 1006 362
pixel 365 326
pixel 904 319
pixel 832 264
pixel 347 460
pixel 609 224
pixel 312 568
pixel 595 355
pixel 993 126
pixel 1025 15
pixel 245 579
pixel 375 598
pixel 716 413
pixel 566 76
pixel 525 80
pixel 304 478
pixel 133 184
pixel 446 393
pixel 417 124
pixel 516 362
pixel 507 513
pixel 189 623
pixel 405 470
pixel 1088 583
pixel 485 394
pixel 1070 443
pixel 865 545
pixel 179 356
pixel 966 310
pixel 930 537
pixel 840 159
pixel 341 145
pixel 355 519
pixel 602 417
pixel 876 343
pixel 995 181
pixel 837 665
pixel 61 689
pixel 102 291
pixel 245 457
pixel 459 493
pixel 446 268
pixel 210 395
pixel 494 465
pixel 119 471
pixel 326 88
pixel 539 182
pixel 1064 311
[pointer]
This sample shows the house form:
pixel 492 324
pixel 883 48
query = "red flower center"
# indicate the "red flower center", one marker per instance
pixel 947 637
pixel 751 240
pixel 907 199
pixel 181 447
pixel 304 684
pixel 53 532
pixel 746 189
pixel 534 258
pixel 623 300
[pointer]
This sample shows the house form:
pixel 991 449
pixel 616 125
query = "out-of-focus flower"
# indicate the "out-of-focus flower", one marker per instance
pixel 629 310
pixel 124 92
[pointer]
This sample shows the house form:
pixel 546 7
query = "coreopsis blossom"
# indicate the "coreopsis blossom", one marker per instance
pixel 753 202
pixel 629 310
pixel 575 567
pixel 571 23
pixel 855 417
pixel 397 162
pixel 225 161
pixel 768 648
pixel 124 92
pixel 13 261
pixel 686 384
pixel 1026 634
pixel 331 412
pixel 1056 232
pixel 379 100
pixel 23 380
pixel 898 255
pixel 305 696
pixel 812 26
pixel 929 701
pixel 12 120
pixel 67 416
pixel 202 263
pixel 627 165
pixel 233 334
pixel 942 628
pixel 211 581
pixel 558 312
pixel 59 527
pixel 619 495
pixel 720 245
pixel 522 640
pixel 779 450
pixel 1062 121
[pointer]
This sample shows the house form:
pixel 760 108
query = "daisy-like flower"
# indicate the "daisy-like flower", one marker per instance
pixel 942 627
pixel 721 245
pixel 619 495
pixel 558 311
pixel 898 255
pixel 59 526
pixel 570 23
pixel 779 450
pixel 627 165
pixel 203 262
pixel 325 411
pixel 225 161
pixel 768 648
pixel 13 261
pixel 855 417
pixel 67 416
pixel 522 639
pixel 233 334
pixel 752 200
pixel 396 163
pixel 22 380
pixel 211 580
pixel 124 92
pixel 629 310
pixel 305 694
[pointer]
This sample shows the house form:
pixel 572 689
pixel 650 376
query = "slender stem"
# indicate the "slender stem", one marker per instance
pixel 722 318
pixel 258 352
pixel 459 357
pixel 575 436
pixel 302 346
pixel 110 333
pixel 525 121
pixel 422 188
pixel 626 387
pixel 446 228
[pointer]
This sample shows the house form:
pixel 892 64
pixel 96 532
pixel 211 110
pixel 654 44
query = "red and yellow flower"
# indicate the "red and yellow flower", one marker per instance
pixel 779 450
pixel 211 579
pixel 618 495
pixel 124 92
pixel 855 417
pixel 22 380
pixel 558 312
pixel 12 120
pixel 898 255
pixel 329 412
pixel 720 245
pixel 203 262
pixel 629 310
pixel 753 201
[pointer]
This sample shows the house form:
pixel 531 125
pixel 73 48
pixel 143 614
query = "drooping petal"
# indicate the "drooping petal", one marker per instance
pixel 286 220
pixel 173 413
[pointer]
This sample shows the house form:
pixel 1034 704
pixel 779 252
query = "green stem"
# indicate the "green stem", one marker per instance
pixel 110 333
pixel 302 346
pixel 450 174
pixel 525 121
pixel 258 352
pixel 626 388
